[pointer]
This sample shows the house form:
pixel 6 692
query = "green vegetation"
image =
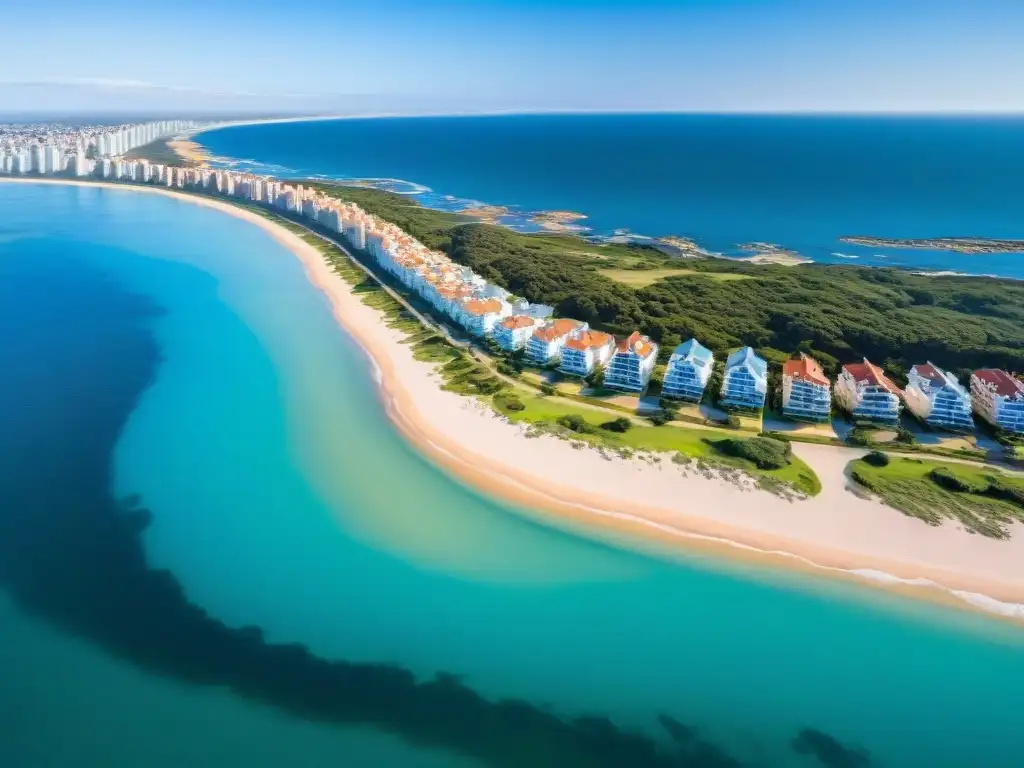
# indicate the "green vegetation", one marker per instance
pixel 641 277
pixel 620 425
pixel 578 422
pixel 983 499
pixel 765 452
pixel 569 415
pixel 573 415
pixel 877 459
pixel 157 152
pixel 837 313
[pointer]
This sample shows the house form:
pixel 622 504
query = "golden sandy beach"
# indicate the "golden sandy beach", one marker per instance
pixel 836 533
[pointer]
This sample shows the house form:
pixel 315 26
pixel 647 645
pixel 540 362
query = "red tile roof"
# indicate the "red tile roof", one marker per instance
pixel 1001 382
pixel 867 373
pixel 930 372
pixel 482 307
pixel 636 343
pixel 588 340
pixel 516 321
pixel 557 329
pixel 805 368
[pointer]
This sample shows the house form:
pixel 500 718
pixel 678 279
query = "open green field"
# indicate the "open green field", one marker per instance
pixel 641 278
pixel 983 499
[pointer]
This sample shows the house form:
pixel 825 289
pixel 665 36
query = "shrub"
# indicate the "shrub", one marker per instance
pixel 1001 490
pixel 765 452
pixel 859 436
pixel 957 483
pixel 621 424
pixel 659 418
pixel 877 459
pixel 509 403
pixel 905 436
pixel 576 423
pixel 732 421
pixel 548 389
pixel 507 369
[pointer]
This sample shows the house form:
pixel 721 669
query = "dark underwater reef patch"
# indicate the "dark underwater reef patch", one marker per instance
pixel 71 554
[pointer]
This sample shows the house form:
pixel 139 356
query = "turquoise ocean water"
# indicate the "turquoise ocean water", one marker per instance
pixel 281 498
pixel 801 182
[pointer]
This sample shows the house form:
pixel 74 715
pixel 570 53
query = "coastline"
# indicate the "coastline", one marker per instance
pixel 835 534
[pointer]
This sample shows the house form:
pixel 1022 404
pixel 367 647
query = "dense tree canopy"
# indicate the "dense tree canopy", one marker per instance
pixel 838 313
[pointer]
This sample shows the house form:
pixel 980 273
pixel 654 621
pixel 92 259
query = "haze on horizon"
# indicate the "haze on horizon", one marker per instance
pixel 343 57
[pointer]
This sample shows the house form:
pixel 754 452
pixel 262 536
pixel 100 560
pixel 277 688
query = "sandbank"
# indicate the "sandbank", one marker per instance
pixel 836 533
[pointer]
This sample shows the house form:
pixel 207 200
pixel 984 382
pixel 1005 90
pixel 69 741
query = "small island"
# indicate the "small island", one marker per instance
pixel 558 221
pixel 958 244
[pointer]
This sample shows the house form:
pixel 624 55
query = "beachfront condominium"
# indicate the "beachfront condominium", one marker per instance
pixel 806 391
pixel 688 371
pixel 631 364
pixel 479 316
pixel 545 344
pixel 745 383
pixel 999 399
pixel 512 333
pixel 937 398
pixel 867 393
pixel 582 353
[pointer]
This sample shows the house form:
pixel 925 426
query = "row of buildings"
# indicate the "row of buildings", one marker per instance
pixel 77 151
pixel 486 310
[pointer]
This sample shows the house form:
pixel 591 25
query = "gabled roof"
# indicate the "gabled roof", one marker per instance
pixel 589 340
pixel 748 358
pixel 693 348
pixel 870 375
pixel 1001 382
pixel 805 368
pixel 636 343
pixel 932 373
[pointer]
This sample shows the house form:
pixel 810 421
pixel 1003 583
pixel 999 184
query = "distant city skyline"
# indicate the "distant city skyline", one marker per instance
pixel 341 57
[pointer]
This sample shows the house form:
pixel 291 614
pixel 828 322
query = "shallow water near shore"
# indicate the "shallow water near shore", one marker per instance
pixel 282 498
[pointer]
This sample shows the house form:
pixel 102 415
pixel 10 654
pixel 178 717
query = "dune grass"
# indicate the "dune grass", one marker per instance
pixel 911 486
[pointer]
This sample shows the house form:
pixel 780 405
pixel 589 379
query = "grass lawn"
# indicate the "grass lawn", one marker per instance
pixel 909 486
pixel 641 278
pixel 683 442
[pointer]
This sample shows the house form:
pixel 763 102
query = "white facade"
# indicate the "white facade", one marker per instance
pixel 745 384
pixel 936 397
pixel 806 391
pixel 630 366
pixel 999 399
pixel 688 371
pixel 512 333
pixel 867 393
pixel 545 344
pixel 585 352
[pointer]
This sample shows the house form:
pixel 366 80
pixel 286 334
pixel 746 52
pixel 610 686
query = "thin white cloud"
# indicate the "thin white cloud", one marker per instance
pixel 129 84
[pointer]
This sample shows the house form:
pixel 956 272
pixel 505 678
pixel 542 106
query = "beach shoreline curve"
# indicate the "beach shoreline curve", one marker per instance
pixel 882 548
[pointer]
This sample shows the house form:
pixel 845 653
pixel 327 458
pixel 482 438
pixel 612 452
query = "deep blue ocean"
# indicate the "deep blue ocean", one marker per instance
pixel 800 182
pixel 216 551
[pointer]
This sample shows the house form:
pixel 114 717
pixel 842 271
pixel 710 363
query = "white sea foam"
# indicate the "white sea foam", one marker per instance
pixel 844 255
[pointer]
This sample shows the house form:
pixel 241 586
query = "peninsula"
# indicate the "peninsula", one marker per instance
pixel 958 244
pixel 457 381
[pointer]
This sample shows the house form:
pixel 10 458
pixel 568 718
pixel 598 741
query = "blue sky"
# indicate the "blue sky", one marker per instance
pixel 449 55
